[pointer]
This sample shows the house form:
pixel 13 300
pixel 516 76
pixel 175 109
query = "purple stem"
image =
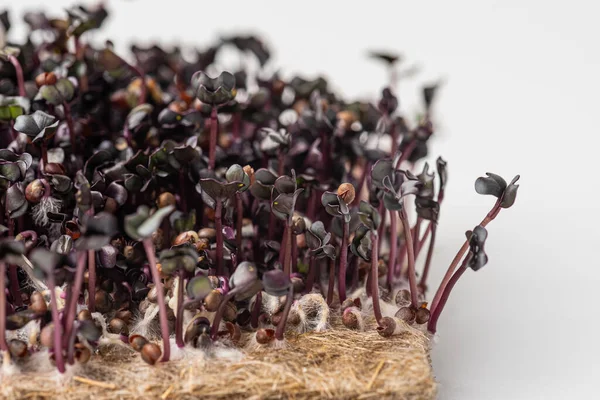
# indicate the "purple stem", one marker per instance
pixel 294 253
pixel 213 138
pixel 343 262
pixel 423 239
pixel 3 344
pixel 380 232
pixel 219 229
pixel 435 314
pixel 287 261
pixel 368 284
pixel 19 71
pixel 410 250
pixel 423 283
pixel 286 311
pixel 214 329
pixel 488 218
pixel 440 198
pixel 15 291
pixel 310 277
pixel 179 317
pixel 71 305
pixel 393 248
pixel 58 351
pixel 400 263
pixel 375 275
pixel 92 280
pixel 44 149
pixel 282 247
pixel 162 308
pixel 331 282
pixel 239 224
pixel 416 232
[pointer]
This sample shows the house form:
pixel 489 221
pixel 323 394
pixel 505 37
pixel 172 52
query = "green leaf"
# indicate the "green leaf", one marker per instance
pixel 61 92
pixel 10 171
pixel 181 258
pixel 9 51
pixel 12 107
pixel 153 222
pixel 198 287
pixel 369 215
pixel 37 126
pixel 137 115
pixel 15 201
pixel 236 174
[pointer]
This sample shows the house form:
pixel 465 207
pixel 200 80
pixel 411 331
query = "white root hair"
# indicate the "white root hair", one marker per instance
pixel 39 212
pixel 33 280
pixel 316 312
pixel 359 317
pixel 146 326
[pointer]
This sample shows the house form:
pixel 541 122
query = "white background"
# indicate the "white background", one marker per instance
pixel 520 96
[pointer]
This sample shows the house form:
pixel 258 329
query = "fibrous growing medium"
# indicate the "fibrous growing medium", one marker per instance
pixel 156 199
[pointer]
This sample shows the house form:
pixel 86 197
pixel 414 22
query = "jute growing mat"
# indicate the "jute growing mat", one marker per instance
pixel 338 363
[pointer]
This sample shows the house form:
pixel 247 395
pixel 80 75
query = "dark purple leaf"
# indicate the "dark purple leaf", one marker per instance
pixel 510 194
pixel 276 282
pixel 477 240
pixel 491 185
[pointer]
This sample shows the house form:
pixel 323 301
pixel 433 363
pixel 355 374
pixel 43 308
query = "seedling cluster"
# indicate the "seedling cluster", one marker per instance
pixel 218 208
